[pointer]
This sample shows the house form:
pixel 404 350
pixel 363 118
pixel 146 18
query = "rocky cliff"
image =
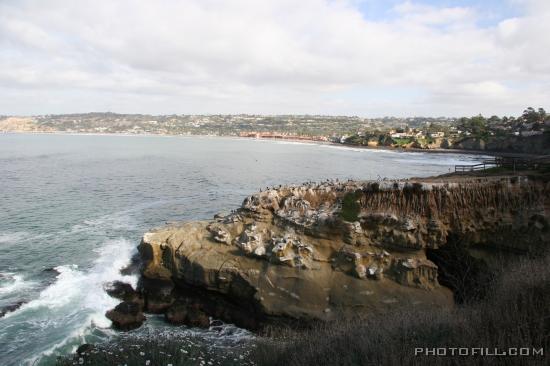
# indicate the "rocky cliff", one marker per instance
pixel 535 145
pixel 314 250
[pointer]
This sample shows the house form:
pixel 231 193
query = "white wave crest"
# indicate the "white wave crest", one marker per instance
pixel 76 301
pixel 13 283
pixel 83 290
pixel 362 150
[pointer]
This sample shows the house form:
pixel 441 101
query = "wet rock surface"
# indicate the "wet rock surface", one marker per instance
pixel 122 291
pixel 158 294
pixel 10 308
pixel 127 315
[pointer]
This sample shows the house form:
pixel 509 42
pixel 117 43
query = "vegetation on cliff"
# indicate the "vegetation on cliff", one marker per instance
pixel 350 206
pixel 513 314
pixel 528 133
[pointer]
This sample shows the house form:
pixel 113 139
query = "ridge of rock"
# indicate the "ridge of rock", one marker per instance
pixel 312 250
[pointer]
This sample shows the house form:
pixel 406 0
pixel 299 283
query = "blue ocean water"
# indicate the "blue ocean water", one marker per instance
pixel 79 204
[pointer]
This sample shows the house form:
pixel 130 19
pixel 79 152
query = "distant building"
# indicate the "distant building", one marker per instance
pixel 400 135
pixel 437 134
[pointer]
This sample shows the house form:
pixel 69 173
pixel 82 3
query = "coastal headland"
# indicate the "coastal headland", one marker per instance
pixel 316 251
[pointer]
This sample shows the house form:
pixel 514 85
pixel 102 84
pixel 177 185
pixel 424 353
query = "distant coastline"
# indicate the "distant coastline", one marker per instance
pixel 289 140
pixel 527 135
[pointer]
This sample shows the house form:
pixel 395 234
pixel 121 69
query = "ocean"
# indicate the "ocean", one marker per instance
pixel 74 207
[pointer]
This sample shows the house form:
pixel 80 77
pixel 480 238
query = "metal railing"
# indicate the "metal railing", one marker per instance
pixel 513 163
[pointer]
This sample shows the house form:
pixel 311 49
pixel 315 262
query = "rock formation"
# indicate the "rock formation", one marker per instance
pixel 126 316
pixel 310 251
pixel 129 313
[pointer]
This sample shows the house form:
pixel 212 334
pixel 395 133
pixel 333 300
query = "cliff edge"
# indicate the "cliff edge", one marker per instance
pixel 314 250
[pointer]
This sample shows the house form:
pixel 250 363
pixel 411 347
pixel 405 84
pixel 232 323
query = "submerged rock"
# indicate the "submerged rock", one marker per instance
pixel 85 348
pixel 10 308
pixel 51 270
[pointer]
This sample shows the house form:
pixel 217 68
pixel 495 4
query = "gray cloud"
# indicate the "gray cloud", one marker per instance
pixel 268 56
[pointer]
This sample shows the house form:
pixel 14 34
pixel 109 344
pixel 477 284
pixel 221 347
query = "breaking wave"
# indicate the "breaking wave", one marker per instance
pixel 76 302
pixel 11 282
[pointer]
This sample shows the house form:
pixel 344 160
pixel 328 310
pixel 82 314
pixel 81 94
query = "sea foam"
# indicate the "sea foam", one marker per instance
pixel 76 302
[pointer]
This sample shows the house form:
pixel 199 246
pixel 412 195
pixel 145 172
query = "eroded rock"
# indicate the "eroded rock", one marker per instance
pixel 289 252
pixel 127 315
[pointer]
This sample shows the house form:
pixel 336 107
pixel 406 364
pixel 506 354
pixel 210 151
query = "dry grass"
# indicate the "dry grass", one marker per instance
pixel 319 197
pixel 515 313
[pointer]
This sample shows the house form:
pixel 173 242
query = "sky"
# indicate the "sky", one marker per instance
pixel 368 58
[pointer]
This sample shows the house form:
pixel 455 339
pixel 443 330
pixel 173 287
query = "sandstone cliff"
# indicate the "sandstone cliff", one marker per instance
pixel 22 124
pixel 314 250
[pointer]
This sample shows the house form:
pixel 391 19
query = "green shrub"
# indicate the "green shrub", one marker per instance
pixel 350 206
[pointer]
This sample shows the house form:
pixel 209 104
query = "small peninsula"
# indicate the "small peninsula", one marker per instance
pixel 319 250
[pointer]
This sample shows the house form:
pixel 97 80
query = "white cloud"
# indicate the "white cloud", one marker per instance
pixel 425 14
pixel 268 56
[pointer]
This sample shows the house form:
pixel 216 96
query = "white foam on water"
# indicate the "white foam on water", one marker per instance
pixel 12 237
pixel 14 283
pixel 79 333
pixel 85 289
pixel 76 302
pixel 290 142
pixel 116 221
pixel 362 150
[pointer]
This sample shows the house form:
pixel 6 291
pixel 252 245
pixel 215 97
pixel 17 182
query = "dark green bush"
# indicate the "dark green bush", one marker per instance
pixel 351 206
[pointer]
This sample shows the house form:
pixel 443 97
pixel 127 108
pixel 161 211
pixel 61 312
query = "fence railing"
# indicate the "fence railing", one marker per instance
pixel 514 163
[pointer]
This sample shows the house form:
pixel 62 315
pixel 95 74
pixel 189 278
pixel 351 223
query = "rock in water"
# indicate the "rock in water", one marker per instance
pixel 311 251
pixel 85 348
pixel 11 307
pixel 127 315
pixel 132 268
pixel 122 291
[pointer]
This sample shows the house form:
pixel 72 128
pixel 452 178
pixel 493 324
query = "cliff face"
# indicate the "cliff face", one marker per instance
pixel 537 145
pixel 313 250
pixel 21 124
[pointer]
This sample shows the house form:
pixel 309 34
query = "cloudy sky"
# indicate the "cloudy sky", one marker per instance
pixel 346 57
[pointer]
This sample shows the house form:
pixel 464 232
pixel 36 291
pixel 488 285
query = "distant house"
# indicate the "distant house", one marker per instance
pixel 530 133
pixel 437 134
pixel 400 135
